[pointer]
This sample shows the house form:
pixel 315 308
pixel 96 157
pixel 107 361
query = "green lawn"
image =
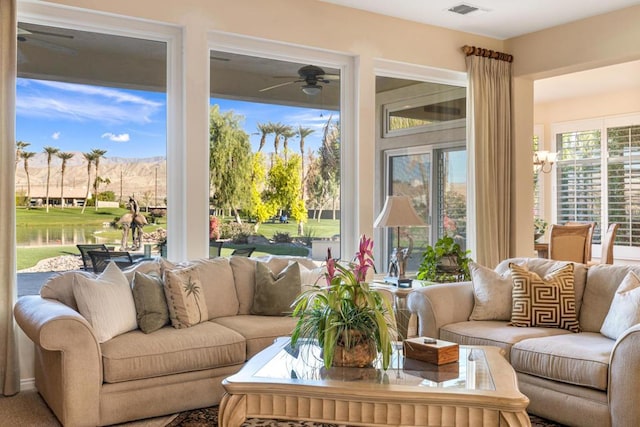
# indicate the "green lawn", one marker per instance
pixel 38 217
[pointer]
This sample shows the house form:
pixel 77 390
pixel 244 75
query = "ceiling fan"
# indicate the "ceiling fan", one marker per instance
pixel 27 36
pixel 310 75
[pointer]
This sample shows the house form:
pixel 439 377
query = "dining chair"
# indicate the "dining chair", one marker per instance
pixel 84 254
pixel 587 255
pixel 243 251
pixel 608 240
pixel 100 259
pixel 569 242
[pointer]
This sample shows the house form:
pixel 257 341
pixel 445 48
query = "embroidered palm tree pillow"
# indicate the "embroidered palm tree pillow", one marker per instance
pixel 547 302
pixel 185 297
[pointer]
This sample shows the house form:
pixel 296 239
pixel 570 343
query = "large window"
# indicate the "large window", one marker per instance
pixel 598 176
pixel 423 152
pixel 275 156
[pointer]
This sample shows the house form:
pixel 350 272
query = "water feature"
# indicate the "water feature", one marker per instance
pixel 61 236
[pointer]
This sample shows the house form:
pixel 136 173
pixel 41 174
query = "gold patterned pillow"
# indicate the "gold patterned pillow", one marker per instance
pixel 185 297
pixel 548 302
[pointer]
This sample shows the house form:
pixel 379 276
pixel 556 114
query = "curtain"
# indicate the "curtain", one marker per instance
pixel 9 365
pixel 490 148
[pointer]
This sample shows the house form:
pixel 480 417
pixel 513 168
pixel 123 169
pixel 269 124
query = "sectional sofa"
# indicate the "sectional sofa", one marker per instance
pixel 96 369
pixel 582 372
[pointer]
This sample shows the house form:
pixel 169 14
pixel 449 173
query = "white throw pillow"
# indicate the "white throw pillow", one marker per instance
pixel 491 293
pixel 624 311
pixel 106 302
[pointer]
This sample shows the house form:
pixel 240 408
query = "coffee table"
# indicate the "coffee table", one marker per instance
pixel 282 382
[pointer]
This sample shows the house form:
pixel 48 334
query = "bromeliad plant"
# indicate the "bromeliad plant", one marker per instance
pixel 332 313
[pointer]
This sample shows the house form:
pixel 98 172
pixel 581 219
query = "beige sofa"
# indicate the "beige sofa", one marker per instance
pixel 136 375
pixel 577 379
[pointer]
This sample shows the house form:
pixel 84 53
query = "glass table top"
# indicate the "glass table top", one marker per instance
pixel 304 364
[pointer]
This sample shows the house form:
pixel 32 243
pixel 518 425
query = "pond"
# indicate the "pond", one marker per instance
pixel 60 236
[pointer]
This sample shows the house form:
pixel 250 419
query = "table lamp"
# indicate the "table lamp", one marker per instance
pixel 398 212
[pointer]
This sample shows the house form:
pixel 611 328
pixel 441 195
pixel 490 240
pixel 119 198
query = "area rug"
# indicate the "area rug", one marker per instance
pixel 208 417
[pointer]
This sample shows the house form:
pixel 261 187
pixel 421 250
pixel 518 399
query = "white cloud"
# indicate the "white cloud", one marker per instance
pixel 123 137
pixel 56 135
pixel 82 103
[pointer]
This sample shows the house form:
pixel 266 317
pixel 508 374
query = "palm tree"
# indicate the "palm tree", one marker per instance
pixel 302 134
pixel 20 146
pixel 277 129
pixel 98 154
pixel 265 129
pixel 89 157
pixel 192 289
pixel 26 155
pixel 51 151
pixel 64 156
pixel 287 132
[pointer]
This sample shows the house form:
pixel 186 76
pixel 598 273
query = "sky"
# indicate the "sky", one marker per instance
pixel 129 123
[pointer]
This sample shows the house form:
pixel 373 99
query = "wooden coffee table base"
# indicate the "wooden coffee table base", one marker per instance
pixel 235 409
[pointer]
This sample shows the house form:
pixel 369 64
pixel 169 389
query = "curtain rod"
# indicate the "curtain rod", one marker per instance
pixel 479 51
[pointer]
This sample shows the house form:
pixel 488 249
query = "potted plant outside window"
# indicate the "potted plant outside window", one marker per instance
pixel 346 317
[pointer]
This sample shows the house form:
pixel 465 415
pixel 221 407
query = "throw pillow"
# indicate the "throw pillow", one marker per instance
pixel 274 294
pixel 185 298
pixel 152 312
pixel 491 293
pixel 106 302
pixel 548 302
pixel 625 308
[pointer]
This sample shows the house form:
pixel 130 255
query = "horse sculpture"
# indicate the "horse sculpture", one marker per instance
pixel 134 221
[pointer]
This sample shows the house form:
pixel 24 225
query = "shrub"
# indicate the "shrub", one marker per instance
pixel 214 228
pixel 283 237
pixel 238 233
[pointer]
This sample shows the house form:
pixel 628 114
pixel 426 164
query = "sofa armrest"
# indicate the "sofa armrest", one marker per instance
pixel 624 379
pixel 68 358
pixel 439 305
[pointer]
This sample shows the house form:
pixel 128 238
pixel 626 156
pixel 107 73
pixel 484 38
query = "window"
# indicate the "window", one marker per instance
pixel 422 145
pixel 598 176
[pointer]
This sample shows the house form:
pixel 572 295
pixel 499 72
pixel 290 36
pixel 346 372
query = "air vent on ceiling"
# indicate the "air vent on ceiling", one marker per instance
pixel 463 9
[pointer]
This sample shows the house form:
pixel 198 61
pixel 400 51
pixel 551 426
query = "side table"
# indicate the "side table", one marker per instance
pixel 401 311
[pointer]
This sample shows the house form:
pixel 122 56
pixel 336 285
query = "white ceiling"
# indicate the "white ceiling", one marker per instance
pixel 500 19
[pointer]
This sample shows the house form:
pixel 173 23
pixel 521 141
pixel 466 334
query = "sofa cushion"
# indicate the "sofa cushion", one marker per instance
pixel 491 293
pixel 492 332
pixel 60 285
pixel 136 355
pixel 275 293
pixel 259 331
pixel 106 302
pixel 602 283
pixel 580 359
pixel 543 267
pixel 548 302
pixel 152 312
pixel 244 276
pixel 184 291
pixel 625 308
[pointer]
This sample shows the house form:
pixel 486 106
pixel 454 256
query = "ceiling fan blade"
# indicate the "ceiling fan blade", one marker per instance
pixel 277 86
pixel 331 76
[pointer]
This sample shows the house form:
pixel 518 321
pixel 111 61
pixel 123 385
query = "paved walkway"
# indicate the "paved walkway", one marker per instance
pixel 30 283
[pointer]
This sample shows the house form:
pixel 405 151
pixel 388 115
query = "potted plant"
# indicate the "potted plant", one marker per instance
pixel 346 317
pixel 540 227
pixel 444 262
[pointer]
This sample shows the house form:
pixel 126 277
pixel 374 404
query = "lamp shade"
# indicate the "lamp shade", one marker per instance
pixel 398 212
